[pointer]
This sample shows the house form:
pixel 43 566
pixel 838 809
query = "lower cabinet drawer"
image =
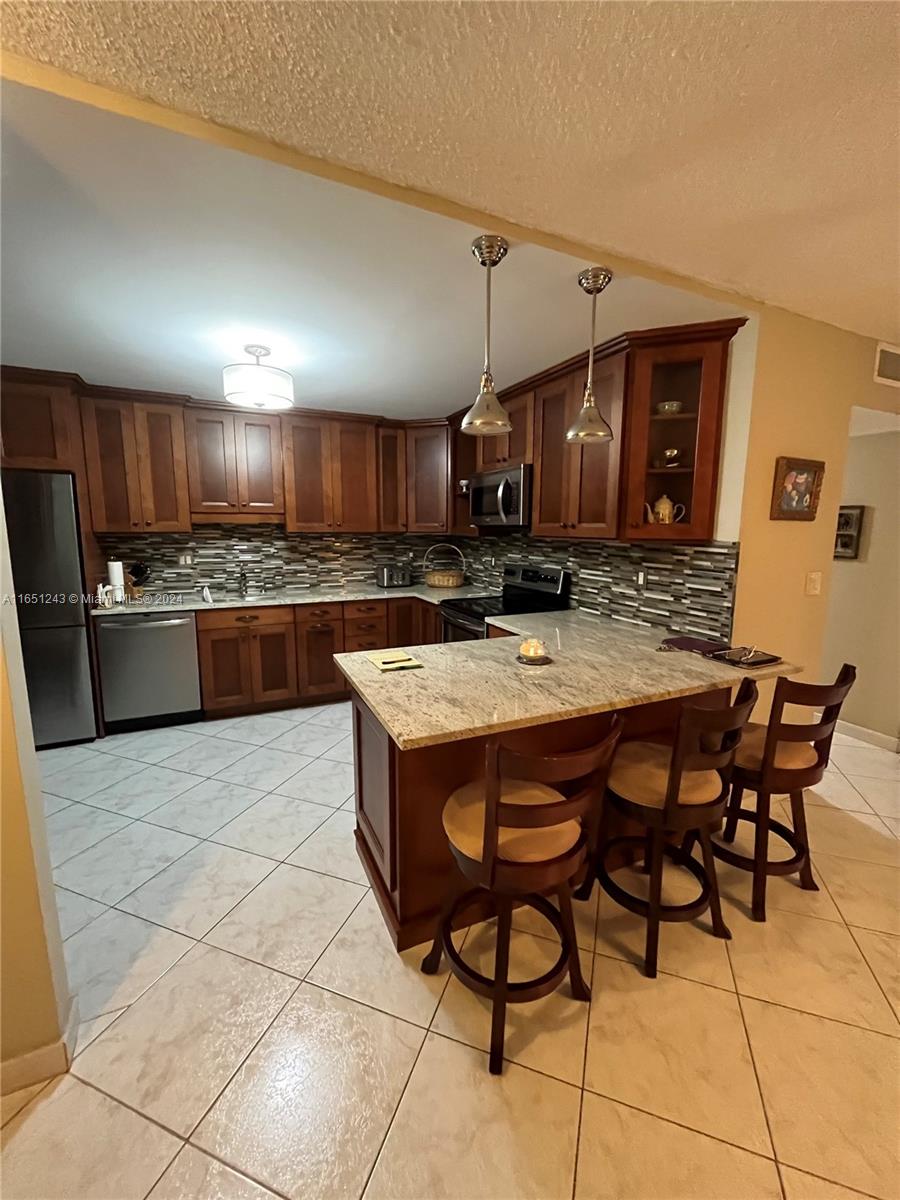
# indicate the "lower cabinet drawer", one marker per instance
pixel 365 608
pixel 366 626
pixel 366 641
pixel 238 618
pixel 318 612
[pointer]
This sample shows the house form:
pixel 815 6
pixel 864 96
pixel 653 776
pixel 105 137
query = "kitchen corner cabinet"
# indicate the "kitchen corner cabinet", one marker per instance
pixel 330 475
pixel 234 465
pixel 513 448
pixel 693 375
pixel 137 466
pixel 428 477
pixel 391 479
pixel 576 488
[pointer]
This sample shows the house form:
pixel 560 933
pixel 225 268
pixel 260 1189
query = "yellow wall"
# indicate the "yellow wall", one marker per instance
pixel 808 375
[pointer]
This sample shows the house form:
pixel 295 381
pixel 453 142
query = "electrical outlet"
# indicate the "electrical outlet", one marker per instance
pixel 640 578
pixel 814 583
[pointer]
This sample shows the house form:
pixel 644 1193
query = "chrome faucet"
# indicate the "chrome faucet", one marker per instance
pixel 243 582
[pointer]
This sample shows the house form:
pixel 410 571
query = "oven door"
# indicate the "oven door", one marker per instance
pixel 455 628
pixel 500 498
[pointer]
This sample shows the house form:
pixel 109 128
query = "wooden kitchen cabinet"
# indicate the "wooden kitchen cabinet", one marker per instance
pixel 576 488
pixel 317 643
pixel 260 476
pixel 391 479
pixel 273 663
pixel 513 448
pixel 463 465
pixel 226 680
pixel 212 465
pixel 38 426
pixel 404 624
pixel 247 657
pixel 330 475
pixel 427 477
pixel 162 468
pixel 692 374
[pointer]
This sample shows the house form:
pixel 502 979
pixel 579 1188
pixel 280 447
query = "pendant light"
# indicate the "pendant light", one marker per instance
pixel 589 425
pixel 253 385
pixel 487 417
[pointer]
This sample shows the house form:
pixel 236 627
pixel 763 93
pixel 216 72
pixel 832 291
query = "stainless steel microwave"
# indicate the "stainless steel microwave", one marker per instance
pixel 501 498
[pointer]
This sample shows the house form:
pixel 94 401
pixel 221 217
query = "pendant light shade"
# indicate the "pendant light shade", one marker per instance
pixel 589 425
pixel 253 385
pixel 487 417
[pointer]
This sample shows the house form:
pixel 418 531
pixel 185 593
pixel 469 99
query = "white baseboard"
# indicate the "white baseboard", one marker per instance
pixel 872 736
pixel 43 1063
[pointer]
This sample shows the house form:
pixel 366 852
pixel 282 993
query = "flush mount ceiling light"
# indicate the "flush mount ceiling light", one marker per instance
pixel 589 425
pixel 253 385
pixel 487 417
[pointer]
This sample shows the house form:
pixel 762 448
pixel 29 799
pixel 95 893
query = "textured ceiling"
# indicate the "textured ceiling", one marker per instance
pixel 750 145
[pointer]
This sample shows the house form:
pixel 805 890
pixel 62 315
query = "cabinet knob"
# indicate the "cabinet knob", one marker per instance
pixel 148 522
pixel 339 524
pixel 135 524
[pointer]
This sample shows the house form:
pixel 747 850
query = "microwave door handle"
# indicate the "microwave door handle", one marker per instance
pixel 501 488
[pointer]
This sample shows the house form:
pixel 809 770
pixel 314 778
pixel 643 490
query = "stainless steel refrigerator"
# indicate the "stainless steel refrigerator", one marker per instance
pixel 42 524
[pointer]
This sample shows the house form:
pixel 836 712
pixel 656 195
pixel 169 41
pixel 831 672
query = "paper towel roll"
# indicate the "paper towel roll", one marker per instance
pixel 115 572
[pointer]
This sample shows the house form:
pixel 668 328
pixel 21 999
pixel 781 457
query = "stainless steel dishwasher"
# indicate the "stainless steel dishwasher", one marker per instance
pixel 148 665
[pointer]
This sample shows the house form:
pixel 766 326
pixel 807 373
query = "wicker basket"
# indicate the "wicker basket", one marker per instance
pixel 444 576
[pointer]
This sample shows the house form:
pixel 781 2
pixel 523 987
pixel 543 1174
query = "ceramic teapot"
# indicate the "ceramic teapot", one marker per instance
pixel 664 512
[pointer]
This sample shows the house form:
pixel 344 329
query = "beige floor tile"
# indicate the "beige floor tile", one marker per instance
pixel 782 891
pixel 623 1152
pixel 14 1102
pixel 75 911
pixel 116 958
pixel 195 1176
pixel 89 1031
pixel 585 911
pixel 836 791
pixel 196 892
pixel 866 895
pixel 893 823
pixel 676 1049
pixel 882 795
pixel 882 953
pixel 547 1035
pixel 798 1185
pixel 308 1110
pixel 77 827
pixel 808 964
pixel 275 826
pixel 73 1143
pixel 686 948
pixel 332 849
pixel 869 761
pixel 288 920
pixel 464 1133
pixel 862 836
pixel 120 863
pixel 174 1050
pixel 831 1096
pixel 362 963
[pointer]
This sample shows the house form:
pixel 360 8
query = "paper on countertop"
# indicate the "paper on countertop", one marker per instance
pixel 393 660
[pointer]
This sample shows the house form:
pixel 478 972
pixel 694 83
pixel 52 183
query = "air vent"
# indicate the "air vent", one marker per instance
pixel 887 364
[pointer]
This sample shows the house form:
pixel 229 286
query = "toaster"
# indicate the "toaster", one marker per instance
pixel 393 576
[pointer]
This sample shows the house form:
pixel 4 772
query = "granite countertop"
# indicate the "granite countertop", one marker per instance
pixel 193 602
pixel 468 689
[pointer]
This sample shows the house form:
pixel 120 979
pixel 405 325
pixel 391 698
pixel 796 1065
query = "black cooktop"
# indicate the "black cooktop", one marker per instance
pixel 525 589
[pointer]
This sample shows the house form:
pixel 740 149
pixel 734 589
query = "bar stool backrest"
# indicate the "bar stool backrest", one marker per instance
pixel 824 696
pixel 706 740
pixel 588 768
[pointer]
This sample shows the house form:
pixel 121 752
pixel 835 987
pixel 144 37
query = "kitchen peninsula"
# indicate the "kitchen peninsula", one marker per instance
pixel 418 734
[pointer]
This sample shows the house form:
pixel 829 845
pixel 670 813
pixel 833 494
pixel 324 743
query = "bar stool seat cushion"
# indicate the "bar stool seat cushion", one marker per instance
pixel 464 823
pixel 640 773
pixel 788 755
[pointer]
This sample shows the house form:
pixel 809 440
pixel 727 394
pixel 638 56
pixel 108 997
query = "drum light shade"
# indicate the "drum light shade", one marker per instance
pixel 253 385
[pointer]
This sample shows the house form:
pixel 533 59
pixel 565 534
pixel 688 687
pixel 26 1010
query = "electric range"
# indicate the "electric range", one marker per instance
pixel 525 589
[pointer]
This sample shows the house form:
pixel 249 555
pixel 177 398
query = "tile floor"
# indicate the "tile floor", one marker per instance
pixel 248 1031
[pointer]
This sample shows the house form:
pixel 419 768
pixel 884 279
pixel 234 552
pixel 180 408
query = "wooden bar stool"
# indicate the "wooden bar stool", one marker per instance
pixel 514 836
pixel 673 789
pixel 782 757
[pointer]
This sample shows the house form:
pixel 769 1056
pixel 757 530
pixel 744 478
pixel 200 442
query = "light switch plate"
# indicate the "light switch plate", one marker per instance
pixel 814 583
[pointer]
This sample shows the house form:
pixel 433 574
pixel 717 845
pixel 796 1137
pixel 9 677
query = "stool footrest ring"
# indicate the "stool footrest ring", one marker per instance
pixel 667 912
pixel 779 866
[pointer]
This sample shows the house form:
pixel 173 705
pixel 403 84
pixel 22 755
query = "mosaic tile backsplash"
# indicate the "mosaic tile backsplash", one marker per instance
pixel 686 588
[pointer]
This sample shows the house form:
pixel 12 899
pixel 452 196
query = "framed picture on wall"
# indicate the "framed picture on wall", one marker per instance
pixel 796 489
pixel 849 531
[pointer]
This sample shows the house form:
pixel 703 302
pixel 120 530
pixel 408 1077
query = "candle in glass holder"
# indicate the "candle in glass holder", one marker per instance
pixel 533 648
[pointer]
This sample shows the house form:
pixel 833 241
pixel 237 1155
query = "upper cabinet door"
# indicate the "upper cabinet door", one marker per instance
pixel 162 467
pixel 257 441
pixel 212 470
pixel 515 447
pixel 550 506
pixel 391 479
pixel 693 376
pixel 354 473
pixel 36 426
pixel 112 465
pixel 594 494
pixel 427 478
pixel 307 474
